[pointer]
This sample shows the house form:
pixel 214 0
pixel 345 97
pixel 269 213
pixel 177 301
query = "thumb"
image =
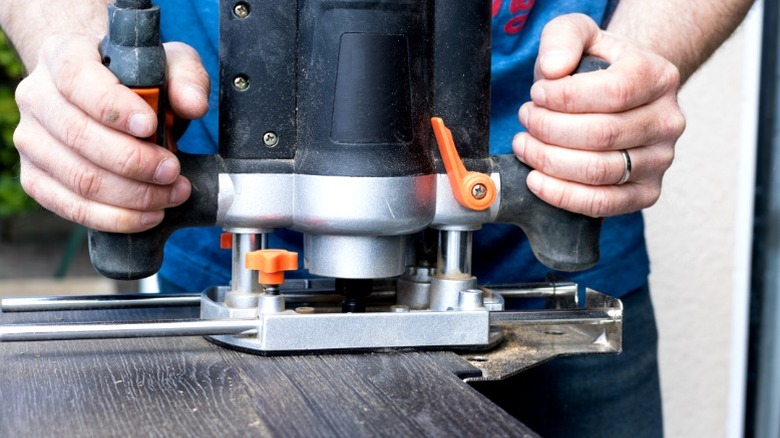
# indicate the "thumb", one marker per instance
pixel 562 44
pixel 187 80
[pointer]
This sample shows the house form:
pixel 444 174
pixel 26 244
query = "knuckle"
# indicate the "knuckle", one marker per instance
pixel 651 195
pixel 603 135
pixel 554 197
pixel 568 99
pixel 22 137
pixel 130 161
pixel 77 211
pixel 597 171
pixel 601 204
pixel 569 24
pixel 68 73
pixel 670 76
pixel 74 131
pixel 540 160
pixel 188 53
pixel 172 48
pixel 541 125
pixel 149 198
pixel 24 93
pixel 29 183
pixel 185 60
pixel 666 156
pixel 122 223
pixel 620 92
pixel 560 196
pixel 675 123
pixel 86 181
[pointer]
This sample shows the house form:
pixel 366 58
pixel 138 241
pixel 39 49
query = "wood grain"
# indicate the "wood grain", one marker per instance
pixel 191 387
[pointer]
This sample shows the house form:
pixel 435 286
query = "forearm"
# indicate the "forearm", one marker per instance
pixel 28 23
pixel 684 32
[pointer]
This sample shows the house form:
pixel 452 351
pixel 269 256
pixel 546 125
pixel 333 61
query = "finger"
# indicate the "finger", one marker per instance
pixel 112 150
pixel 188 82
pixel 79 75
pixel 648 124
pixel 593 201
pixel 55 197
pixel 91 182
pixel 648 163
pixel 633 79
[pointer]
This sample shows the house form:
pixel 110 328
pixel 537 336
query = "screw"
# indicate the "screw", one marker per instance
pixel 241 10
pixel 270 139
pixel 241 83
pixel 479 191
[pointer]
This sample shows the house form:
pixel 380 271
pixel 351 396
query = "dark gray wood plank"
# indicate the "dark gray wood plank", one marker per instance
pixel 380 394
pixel 143 387
pixel 188 386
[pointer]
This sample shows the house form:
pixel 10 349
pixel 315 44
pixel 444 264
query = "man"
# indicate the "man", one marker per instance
pixel 81 157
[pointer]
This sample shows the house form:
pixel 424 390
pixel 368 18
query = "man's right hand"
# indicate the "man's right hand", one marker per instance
pixel 80 136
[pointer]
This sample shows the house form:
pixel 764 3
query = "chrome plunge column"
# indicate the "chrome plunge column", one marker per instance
pixel 244 286
pixel 453 270
pixel 454 256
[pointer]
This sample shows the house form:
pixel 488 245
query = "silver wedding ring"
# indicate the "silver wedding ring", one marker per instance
pixel 626 167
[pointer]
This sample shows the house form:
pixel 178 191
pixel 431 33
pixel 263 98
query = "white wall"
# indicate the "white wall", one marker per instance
pixel 699 237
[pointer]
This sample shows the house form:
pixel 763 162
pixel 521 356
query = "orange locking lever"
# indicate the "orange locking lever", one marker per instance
pixel 473 190
pixel 165 115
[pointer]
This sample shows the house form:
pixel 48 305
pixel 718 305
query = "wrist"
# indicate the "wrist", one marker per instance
pixel 29 23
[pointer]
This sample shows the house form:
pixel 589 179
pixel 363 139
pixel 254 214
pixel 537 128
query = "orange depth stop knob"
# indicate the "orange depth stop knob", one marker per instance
pixel 272 263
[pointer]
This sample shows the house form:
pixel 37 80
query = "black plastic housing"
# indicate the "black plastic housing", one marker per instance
pixel 348 87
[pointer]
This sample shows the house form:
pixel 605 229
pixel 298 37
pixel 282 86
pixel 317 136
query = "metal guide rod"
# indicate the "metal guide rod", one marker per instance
pixel 535 290
pixel 558 316
pixel 51 332
pixel 135 301
pixel 87 302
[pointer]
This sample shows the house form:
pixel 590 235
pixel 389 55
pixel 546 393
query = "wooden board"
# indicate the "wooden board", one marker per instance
pixel 190 387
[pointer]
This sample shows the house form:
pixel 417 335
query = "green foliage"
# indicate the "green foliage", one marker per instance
pixel 13 200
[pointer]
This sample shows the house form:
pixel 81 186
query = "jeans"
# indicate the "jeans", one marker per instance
pixel 593 395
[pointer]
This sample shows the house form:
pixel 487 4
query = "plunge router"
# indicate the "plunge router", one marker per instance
pixel 362 124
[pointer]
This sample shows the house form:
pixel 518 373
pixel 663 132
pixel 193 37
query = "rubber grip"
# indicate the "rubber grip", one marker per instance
pixel 560 239
pixel 139 255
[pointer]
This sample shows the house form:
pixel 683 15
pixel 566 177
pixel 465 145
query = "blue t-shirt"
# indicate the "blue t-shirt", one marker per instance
pixel 193 260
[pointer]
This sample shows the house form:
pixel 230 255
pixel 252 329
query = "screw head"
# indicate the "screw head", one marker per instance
pixel 241 10
pixel 270 139
pixel 479 191
pixel 241 83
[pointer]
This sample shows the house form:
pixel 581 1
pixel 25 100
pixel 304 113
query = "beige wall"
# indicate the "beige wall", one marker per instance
pixel 698 238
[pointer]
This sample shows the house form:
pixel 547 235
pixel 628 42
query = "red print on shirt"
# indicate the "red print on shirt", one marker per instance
pixel 518 11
